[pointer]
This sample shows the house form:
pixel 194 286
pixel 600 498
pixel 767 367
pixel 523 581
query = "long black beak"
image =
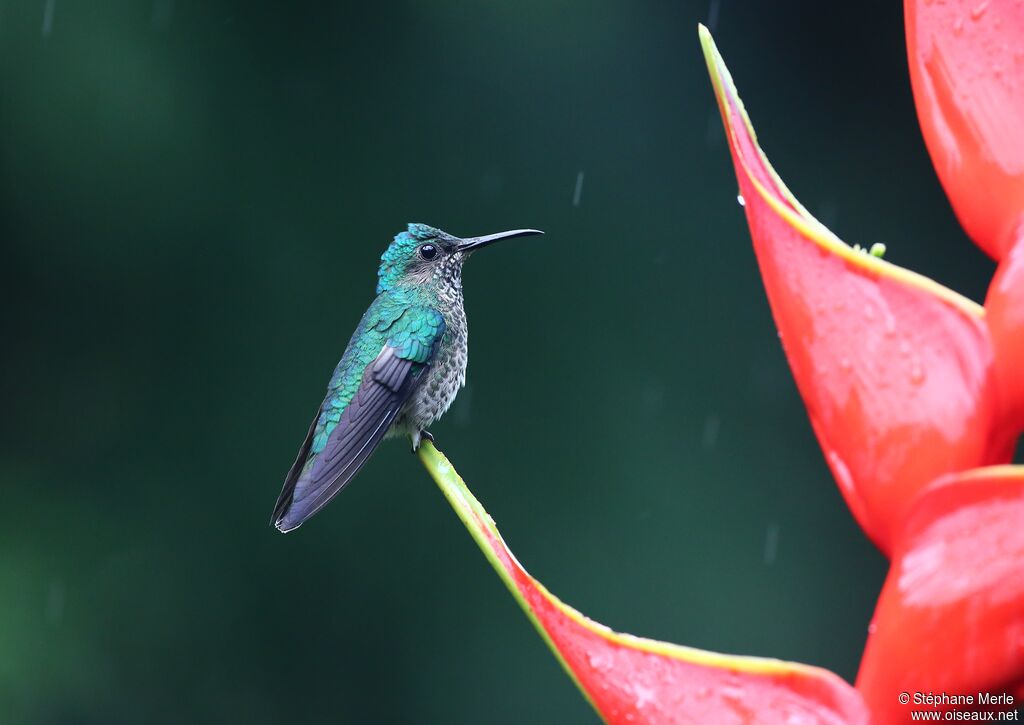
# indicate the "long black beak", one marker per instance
pixel 476 242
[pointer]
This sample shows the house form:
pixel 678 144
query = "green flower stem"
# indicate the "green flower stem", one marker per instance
pixel 473 516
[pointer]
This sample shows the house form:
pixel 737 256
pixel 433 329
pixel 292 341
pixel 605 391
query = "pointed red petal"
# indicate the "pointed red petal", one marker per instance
pixel 895 369
pixel 951 615
pixel 967 71
pixel 632 680
pixel 1005 308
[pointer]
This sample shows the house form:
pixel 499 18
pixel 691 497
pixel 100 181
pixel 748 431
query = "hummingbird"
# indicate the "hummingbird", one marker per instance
pixel 400 372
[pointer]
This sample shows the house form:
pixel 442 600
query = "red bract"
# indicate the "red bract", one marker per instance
pixel 1005 307
pixel 895 370
pixel 967 72
pixel 951 615
pixel 632 680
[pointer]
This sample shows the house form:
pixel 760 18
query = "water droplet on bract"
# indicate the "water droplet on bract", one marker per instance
pixel 598 661
pixel 741 200
pixel 872 628
pixel 732 691
pixel 869 313
pixel 904 348
pixel 844 363
pixel 958 26
pixel 978 10
pixel 644 696
pixel 917 374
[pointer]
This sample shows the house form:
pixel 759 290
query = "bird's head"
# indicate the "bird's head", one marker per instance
pixel 421 255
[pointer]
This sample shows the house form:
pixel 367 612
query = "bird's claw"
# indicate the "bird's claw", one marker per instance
pixel 419 438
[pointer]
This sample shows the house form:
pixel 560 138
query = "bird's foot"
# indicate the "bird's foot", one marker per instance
pixel 418 437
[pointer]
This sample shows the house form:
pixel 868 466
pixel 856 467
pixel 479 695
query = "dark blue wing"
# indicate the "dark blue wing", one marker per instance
pixel 324 467
pixel 387 384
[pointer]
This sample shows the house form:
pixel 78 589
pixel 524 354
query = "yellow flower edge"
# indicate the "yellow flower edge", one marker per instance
pixel 1006 471
pixel 474 517
pixel 802 220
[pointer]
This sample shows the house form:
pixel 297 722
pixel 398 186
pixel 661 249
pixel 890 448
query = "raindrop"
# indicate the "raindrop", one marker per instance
pixel 904 348
pixel 732 691
pixel 958 26
pixel 644 696
pixel 741 200
pixel 844 363
pixel 597 661
pixel 979 10
pixel 48 11
pixel 713 15
pixel 578 191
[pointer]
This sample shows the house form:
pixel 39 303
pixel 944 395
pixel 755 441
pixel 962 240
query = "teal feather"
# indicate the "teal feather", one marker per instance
pixel 397 318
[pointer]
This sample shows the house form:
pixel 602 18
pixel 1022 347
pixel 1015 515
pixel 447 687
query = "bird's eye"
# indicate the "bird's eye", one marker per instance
pixel 428 251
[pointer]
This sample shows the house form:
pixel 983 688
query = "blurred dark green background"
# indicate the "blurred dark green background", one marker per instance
pixel 193 198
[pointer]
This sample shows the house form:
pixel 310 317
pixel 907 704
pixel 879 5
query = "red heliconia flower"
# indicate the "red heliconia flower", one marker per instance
pixel 910 388
pixel 951 615
pixel 914 393
pixel 631 680
pixel 896 370
pixel 967 70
